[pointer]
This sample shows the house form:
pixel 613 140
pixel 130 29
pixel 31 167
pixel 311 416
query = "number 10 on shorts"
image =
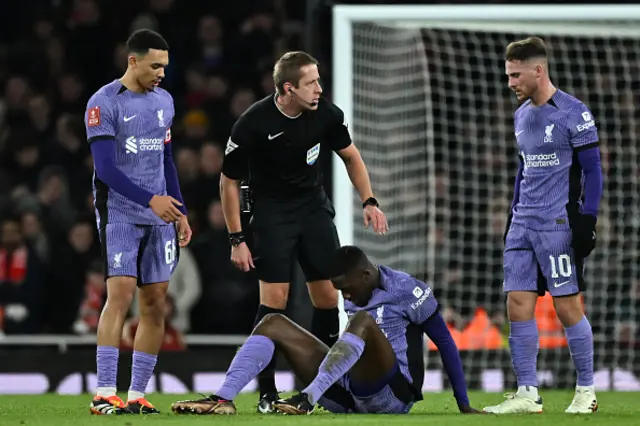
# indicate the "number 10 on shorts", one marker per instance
pixel 170 251
pixel 561 265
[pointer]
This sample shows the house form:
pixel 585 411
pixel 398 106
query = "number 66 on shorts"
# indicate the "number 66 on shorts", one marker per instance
pixel 148 252
pixel 541 261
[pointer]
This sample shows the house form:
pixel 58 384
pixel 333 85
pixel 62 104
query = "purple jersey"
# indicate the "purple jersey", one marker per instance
pixel 140 124
pixel 549 137
pixel 402 302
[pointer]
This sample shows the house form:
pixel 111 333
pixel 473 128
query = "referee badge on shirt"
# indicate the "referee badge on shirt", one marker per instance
pixel 312 154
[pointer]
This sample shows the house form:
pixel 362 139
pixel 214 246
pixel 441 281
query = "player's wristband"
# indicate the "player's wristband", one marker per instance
pixel 236 238
pixel 371 201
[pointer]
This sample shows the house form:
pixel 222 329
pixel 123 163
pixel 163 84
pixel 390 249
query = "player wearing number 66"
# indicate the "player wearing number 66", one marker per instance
pixel 551 226
pixel 138 208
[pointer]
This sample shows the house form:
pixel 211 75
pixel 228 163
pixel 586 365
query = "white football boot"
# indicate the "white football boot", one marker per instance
pixel 525 401
pixel 584 401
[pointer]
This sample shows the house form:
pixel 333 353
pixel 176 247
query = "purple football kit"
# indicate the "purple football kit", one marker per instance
pixel 135 241
pixel 549 192
pixel 399 306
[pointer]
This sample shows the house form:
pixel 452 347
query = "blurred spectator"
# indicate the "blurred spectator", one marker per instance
pixel 35 235
pixel 187 164
pixel 41 116
pixel 210 34
pixel 211 250
pixel 71 94
pixel 27 162
pixel 95 294
pixel 21 282
pixel 68 275
pixel 54 198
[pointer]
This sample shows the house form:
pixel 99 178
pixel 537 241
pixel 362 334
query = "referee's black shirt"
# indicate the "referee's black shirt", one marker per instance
pixel 279 154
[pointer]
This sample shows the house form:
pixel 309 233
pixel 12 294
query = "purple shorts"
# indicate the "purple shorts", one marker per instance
pixel 381 398
pixel 147 252
pixel 541 261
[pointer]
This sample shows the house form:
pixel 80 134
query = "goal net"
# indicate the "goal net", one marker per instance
pixel 430 110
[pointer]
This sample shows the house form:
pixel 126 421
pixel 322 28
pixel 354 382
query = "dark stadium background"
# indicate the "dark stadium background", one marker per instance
pixel 53 55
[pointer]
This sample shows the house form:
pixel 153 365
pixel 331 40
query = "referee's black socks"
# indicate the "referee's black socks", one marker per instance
pixel 325 325
pixel 266 378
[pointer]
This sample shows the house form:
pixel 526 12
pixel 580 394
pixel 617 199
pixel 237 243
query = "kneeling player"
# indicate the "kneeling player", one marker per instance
pixel 375 367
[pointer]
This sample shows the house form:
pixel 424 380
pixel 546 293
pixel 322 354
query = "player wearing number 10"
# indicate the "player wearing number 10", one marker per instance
pixel 551 226
pixel 138 204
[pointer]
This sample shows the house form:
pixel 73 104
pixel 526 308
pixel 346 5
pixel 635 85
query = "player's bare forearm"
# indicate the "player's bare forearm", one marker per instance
pixel 358 174
pixel 230 198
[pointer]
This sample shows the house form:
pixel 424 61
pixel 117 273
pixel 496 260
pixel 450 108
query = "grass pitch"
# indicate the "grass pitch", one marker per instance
pixel 616 408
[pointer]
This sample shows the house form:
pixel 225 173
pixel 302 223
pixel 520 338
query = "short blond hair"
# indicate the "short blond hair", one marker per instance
pixel 287 69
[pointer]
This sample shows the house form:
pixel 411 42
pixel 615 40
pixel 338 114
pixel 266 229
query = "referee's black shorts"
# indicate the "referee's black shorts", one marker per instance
pixel 286 231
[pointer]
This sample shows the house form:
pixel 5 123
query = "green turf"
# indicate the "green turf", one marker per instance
pixel 616 408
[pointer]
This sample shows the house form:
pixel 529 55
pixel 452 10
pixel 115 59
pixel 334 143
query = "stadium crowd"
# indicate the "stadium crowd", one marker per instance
pixel 51 277
pixel 221 57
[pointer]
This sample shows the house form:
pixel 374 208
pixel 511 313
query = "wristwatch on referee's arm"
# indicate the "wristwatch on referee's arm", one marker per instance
pixel 371 201
pixel 236 238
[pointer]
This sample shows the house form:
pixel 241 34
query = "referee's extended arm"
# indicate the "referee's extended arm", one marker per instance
pixel 359 176
pixel 230 198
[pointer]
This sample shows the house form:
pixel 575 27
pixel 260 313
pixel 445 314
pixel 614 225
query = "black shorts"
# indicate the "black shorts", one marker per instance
pixel 286 231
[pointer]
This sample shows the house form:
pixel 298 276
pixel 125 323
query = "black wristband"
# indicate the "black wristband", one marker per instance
pixel 236 238
pixel 371 201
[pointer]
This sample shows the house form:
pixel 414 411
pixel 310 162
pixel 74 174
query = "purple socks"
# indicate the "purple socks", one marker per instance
pixel 341 357
pixel 580 339
pixel 142 370
pixel 524 343
pixel 107 365
pixel 250 360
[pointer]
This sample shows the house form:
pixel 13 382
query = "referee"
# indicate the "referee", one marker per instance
pixel 276 144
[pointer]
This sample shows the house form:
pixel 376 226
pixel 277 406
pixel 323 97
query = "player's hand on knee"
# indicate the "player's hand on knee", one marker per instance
pixel 166 208
pixel 374 216
pixel 241 257
pixel 584 234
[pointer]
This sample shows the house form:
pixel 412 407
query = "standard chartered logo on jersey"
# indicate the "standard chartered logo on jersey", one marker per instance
pixel 133 145
pixel 540 160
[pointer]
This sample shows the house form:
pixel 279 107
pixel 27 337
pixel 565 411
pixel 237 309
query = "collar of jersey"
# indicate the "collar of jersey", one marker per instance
pixel 275 102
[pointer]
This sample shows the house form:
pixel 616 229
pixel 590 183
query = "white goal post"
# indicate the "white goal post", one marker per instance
pixel 424 93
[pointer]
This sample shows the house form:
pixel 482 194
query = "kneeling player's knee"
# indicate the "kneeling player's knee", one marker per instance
pixel 361 323
pixel 270 324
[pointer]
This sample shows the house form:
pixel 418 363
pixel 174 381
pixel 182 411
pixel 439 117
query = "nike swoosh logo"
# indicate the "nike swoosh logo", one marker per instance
pixel 518 133
pixel 274 136
pixel 557 284
pixel 130 118
pixel 333 335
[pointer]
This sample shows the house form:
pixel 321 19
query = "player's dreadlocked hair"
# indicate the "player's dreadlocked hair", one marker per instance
pixel 523 50
pixel 346 259
pixel 142 40
pixel 287 69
